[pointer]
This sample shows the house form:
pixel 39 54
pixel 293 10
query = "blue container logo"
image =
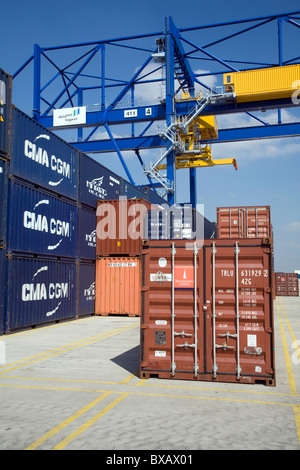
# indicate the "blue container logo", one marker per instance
pixel 35 290
pixel 95 188
pixel 60 229
pixel 89 293
pixel 36 152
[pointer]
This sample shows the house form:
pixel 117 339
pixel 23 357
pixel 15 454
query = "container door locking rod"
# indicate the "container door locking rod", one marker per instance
pixel 214 251
pixel 196 366
pixel 238 367
pixel 173 365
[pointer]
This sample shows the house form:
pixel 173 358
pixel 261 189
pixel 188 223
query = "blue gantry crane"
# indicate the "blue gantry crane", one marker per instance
pixel 180 122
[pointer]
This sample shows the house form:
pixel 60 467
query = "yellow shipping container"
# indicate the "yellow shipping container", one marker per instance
pixel 263 84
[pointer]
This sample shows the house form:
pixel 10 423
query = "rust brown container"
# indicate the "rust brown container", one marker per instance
pixel 287 284
pixel 207 312
pixel 120 226
pixel 244 222
pixel 118 286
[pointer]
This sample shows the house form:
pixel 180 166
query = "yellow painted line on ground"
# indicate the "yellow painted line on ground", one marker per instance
pixel 61 350
pixel 297 420
pixel 297 349
pixel 65 423
pixel 255 392
pixel 143 382
pixel 50 379
pixel 291 379
pixel 150 394
pixel 125 381
pixel 89 423
pixel 43 327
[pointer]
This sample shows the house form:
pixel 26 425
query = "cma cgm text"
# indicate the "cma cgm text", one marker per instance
pixel 40 156
pixel 42 292
pixel 40 223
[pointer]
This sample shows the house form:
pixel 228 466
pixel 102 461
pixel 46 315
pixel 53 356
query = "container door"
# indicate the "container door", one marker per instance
pixel 242 315
pixel 118 286
pixel 170 331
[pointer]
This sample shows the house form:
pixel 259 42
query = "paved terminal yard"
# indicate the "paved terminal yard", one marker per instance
pixel 75 386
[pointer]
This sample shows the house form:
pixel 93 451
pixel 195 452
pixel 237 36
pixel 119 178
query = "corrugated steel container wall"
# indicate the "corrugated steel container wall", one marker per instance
pixel 39 291
pixel 5 112
pixel 87 233
pixel 86 288
pixel 155 198
pixel 41 157
pixel 3 200
pixel 39 223
pixel 287 284
pixel 265 83
pixel 120 227
pixel 2 290
pixel 178 223
pixel 244 222
pixel 208 315
pixel 96 182
pixel 118 286
pixel 131 192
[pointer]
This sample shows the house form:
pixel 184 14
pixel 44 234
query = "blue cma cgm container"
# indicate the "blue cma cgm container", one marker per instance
pixel 41 157
pixel 131 192
pixel 96 182
pixel 5 112
pixel 40 223
pixel 3 200
pixel 39 291
pixel 86 288
pixel 87 233
pixel 2 289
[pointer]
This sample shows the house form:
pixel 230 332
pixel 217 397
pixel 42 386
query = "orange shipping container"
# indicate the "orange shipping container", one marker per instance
pixel 118 286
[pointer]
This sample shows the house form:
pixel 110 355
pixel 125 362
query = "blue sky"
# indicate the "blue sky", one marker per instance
pixel 268 170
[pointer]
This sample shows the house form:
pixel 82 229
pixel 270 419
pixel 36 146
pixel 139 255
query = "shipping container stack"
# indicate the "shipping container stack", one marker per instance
pixel 49 192
pixel 120 229
pixel 287 284
pixel 5 119
pixel 41 191
pixel 247 222
pixel 207 311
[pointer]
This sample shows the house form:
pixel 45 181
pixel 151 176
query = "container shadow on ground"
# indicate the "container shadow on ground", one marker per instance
pixel 129 360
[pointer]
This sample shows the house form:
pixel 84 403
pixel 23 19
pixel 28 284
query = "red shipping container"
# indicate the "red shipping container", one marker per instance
pixel 287 284
pixel 120 226
pixel 207 312
pixel 244 222
pixel 118 286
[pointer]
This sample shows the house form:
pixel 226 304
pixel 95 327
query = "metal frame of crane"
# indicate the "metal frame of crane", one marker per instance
pixel 173 54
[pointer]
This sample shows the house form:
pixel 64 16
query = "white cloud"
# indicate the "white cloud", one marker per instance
pixel 292 227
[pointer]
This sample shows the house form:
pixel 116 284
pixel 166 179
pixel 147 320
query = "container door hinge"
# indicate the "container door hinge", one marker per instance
pixel 267 290
pixel 268 329
pixel 144 326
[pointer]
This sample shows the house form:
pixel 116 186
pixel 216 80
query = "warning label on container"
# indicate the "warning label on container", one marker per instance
pixel 184 277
